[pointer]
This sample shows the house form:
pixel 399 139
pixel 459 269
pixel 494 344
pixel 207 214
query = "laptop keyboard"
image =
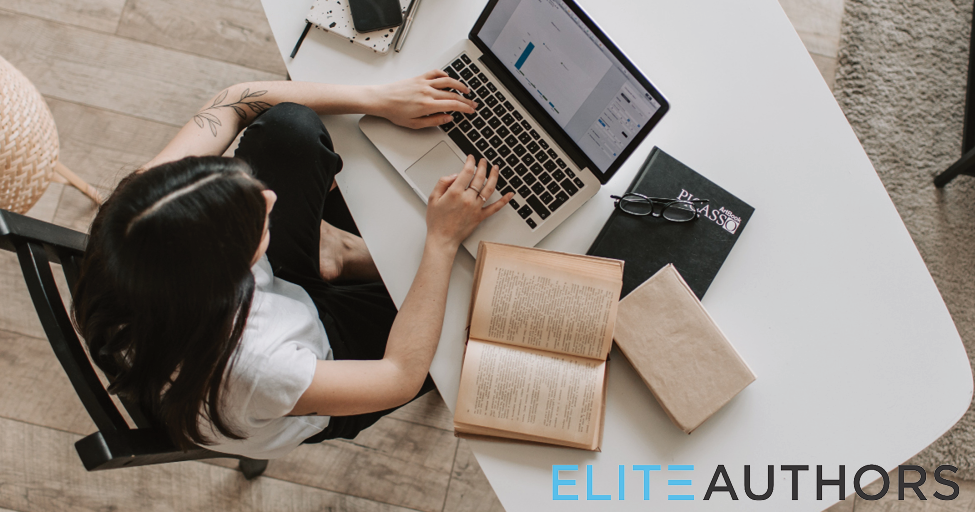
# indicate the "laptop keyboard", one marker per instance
pixel 498 131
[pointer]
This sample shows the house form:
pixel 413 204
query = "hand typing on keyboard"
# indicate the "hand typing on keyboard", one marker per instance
pixel 533 173
pixel 420 101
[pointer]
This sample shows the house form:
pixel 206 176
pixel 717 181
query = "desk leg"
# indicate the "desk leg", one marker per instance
pixel 964 165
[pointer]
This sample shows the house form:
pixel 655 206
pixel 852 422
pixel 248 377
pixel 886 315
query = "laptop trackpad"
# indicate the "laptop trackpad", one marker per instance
pixel 437 163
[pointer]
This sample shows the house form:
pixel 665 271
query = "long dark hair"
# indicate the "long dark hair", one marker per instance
pixel 165 287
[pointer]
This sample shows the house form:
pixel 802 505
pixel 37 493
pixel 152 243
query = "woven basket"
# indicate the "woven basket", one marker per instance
pixel 29 145
pixel 28 141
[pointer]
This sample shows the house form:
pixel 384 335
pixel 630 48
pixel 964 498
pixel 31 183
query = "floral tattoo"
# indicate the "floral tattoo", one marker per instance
pixel 246 100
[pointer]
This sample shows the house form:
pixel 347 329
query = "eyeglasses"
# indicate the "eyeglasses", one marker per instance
pixel 674 210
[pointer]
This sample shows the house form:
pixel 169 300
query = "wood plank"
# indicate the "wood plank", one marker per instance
pixel 350 469
pixel 817 22
pixel 410 442
pixel 228 30
pixel 102 146
pixel 16 311
pixel 114 73
pixel 100 15
pixel 469 489
pixel 40 471
pixel 429 410
pixel 827 68
pixel 374 467
pixel 76 210
pixel 34 389
pixel 45 207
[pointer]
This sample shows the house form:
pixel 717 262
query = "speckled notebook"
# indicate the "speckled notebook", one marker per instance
pixel 333 16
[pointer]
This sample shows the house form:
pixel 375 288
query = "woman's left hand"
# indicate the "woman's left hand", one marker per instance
pixel 422 101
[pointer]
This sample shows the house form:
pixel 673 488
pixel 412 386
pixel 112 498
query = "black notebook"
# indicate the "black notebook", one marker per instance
pixel 697 248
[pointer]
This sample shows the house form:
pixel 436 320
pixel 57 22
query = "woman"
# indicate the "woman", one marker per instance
pixel 249 343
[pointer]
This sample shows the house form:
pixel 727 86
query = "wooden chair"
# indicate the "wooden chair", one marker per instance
pixel 38 244
pixel 965 164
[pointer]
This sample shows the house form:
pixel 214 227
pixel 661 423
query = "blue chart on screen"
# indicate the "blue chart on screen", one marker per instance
pixel 556 60
pixel 524 55
pixel 571 75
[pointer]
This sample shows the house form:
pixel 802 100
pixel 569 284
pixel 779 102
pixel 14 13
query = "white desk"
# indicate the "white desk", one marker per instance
pixel 824 295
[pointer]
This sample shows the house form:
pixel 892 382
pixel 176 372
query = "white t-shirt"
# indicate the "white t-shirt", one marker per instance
pixel 275 363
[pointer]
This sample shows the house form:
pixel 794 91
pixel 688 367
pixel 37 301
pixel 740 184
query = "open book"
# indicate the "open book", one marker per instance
pixel 540 329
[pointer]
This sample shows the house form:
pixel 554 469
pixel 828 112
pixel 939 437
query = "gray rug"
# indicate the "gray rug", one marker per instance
pixel 901 82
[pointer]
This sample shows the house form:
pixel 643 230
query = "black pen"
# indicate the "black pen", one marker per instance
pixel 301 39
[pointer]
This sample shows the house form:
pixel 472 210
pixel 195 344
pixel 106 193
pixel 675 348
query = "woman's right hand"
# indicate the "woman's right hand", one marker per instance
pixel 457 204
pixel 421 101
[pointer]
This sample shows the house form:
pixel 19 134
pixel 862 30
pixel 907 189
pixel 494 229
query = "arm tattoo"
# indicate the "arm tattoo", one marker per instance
pixel 256 106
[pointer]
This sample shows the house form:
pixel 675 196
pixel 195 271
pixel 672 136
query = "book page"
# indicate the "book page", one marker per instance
pixel 542 395
pixel 548 301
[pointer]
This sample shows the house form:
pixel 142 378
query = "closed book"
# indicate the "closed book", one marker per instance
pixel 697 248
pixel 680 353
pixel 334 16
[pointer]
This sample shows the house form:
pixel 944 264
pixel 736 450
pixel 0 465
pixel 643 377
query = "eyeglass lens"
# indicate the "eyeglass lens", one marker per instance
pixel 636 205
pixel 679 212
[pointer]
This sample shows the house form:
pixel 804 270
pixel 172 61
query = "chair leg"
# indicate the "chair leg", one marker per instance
pixel 78 183
pixel 964 165
pixel 252 468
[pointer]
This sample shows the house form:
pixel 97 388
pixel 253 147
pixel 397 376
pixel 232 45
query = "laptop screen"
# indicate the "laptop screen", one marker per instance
pixel 572 75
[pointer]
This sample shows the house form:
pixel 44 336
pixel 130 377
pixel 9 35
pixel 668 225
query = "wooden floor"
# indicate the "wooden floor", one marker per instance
pixel 818 25
pixel 121 77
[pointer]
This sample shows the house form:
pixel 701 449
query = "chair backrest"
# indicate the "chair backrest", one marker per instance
pixel 38 244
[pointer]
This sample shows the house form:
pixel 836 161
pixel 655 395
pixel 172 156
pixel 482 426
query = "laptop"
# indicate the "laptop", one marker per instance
pixel 560 110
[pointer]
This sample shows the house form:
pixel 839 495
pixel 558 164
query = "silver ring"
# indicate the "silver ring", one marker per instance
pixel 482 198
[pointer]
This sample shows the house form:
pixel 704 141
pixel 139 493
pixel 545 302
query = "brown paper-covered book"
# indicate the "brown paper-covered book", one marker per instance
pixel 680 353
pixel 540 329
